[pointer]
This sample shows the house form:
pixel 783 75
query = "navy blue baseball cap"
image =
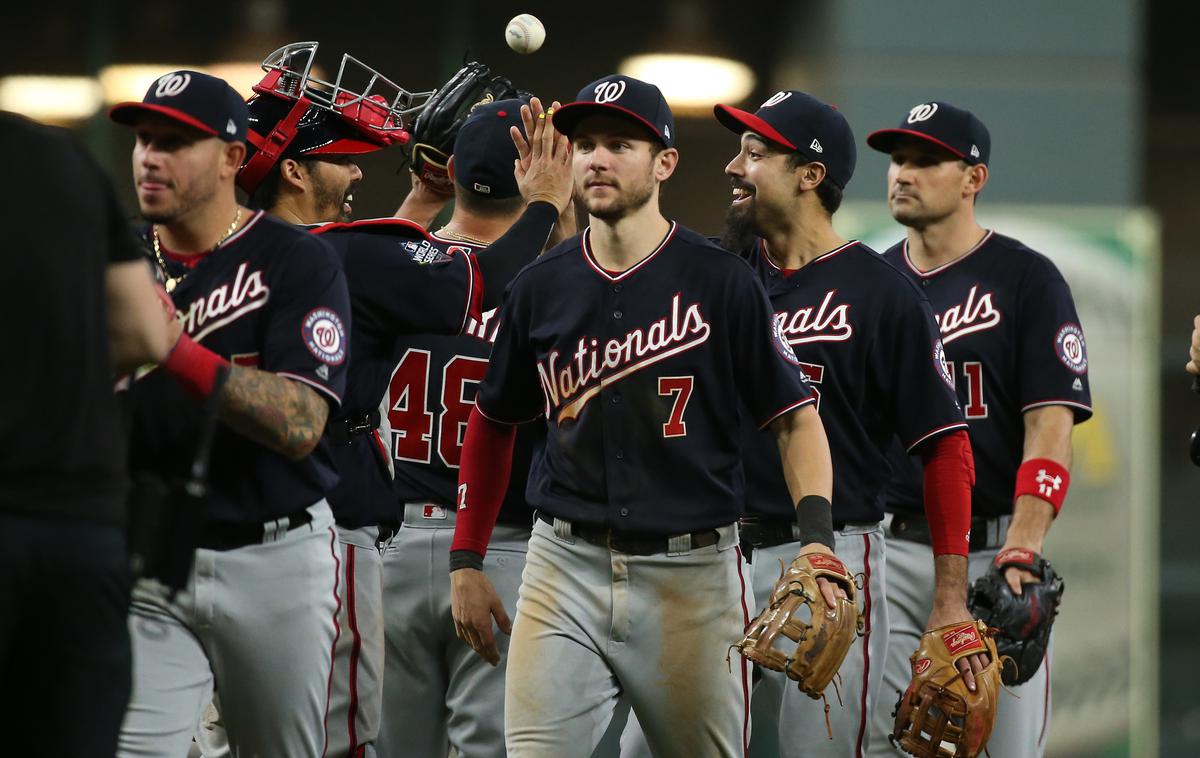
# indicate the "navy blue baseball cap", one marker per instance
pixel 800 122
pixel 954 129
pixel 625 96
pixel 484 151
pixel 199 100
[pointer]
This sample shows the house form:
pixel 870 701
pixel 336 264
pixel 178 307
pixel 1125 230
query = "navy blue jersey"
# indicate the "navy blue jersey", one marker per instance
pixel 866 338
pixel 271 297
pixel 430 397
pixel 1013 343
pixel 400 281
pixel 639 375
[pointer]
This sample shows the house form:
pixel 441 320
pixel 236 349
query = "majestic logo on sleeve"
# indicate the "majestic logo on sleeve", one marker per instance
pixel 324 336
pixel 1071 348
pixel 824 323
pixel 594 366
pixel 975 315
pixel 226 303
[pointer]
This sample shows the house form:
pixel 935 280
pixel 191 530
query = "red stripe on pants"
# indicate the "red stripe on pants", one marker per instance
pixel 337 630
pixel 355 647
pixel 745 684
pixel 866 642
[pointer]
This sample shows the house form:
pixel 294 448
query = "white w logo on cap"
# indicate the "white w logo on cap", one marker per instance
pixel 170 85
pixel 776 99
pixel 606 92
pixel 922 112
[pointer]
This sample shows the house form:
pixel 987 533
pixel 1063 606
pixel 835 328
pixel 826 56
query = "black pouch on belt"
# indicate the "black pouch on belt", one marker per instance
pixel 166 517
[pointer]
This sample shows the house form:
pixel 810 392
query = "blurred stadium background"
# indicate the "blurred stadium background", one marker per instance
pixel 1096 131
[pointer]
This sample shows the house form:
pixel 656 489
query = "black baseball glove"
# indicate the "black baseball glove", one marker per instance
pixel 436 128
pixel 1022 622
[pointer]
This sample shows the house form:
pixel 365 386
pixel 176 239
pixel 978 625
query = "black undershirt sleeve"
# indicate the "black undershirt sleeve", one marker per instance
pixel 505 257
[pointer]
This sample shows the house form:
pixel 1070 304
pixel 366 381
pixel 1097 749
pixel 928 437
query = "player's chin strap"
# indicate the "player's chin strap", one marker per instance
pixel 269 149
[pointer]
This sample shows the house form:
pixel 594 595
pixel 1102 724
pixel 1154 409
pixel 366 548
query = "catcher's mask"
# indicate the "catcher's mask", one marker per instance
pixel 295 113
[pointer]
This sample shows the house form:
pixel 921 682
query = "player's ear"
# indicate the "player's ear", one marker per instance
pixel 450 167
pixel 975 177
pixel 810 175
pixel 233 155
pixel 291 173
pixel 665 163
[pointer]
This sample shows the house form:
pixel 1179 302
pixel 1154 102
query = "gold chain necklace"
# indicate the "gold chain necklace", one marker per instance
pixel 445 232
pixel 173 281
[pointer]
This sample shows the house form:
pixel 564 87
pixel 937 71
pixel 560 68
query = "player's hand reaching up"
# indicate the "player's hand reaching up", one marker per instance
pixel 473 604
pixel 829 590
pixel 543 166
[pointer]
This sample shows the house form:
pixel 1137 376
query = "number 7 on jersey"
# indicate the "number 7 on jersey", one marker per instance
pixel 681 388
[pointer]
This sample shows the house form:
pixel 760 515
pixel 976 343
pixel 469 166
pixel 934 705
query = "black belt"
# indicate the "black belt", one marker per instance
pixel 630 542
pixel 343 430
pixel 222 535
pixel 915 528
pixel 766 531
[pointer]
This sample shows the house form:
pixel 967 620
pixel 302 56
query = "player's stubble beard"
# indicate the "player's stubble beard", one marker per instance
pixel 330 199
pixel 195 195
pixel 626 202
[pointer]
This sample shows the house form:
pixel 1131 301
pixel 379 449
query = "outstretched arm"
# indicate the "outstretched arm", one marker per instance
pixel 543 173
pixel 279 413
pixel 139 316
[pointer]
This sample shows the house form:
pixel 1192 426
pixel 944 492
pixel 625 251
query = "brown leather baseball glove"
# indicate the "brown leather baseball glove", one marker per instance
pixel 937 716
pixel 797 611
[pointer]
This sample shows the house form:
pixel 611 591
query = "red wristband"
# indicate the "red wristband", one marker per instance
pixel 949 475
pixel 194 366
pixel 1044 479
pixel 483 473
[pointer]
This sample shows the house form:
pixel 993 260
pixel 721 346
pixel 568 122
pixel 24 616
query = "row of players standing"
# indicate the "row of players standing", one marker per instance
pixel 606 625
pixel 616 464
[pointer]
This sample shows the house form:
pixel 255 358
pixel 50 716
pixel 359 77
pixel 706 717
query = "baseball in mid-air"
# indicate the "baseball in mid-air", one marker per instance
pixel 525 33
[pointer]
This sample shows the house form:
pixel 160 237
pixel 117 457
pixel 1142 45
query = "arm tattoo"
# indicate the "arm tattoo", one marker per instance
pixel 281 414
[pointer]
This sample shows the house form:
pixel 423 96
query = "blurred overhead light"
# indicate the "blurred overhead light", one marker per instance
pixel 240 75
pixel 56 99
pixel 692 83
pixel 129 81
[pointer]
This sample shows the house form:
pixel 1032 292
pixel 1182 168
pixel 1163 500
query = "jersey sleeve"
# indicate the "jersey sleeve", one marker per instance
pixel 768 375
pixel 395 289
pixel 307 335
pixel 923 402
pixel 1052 353
pixel 510 391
